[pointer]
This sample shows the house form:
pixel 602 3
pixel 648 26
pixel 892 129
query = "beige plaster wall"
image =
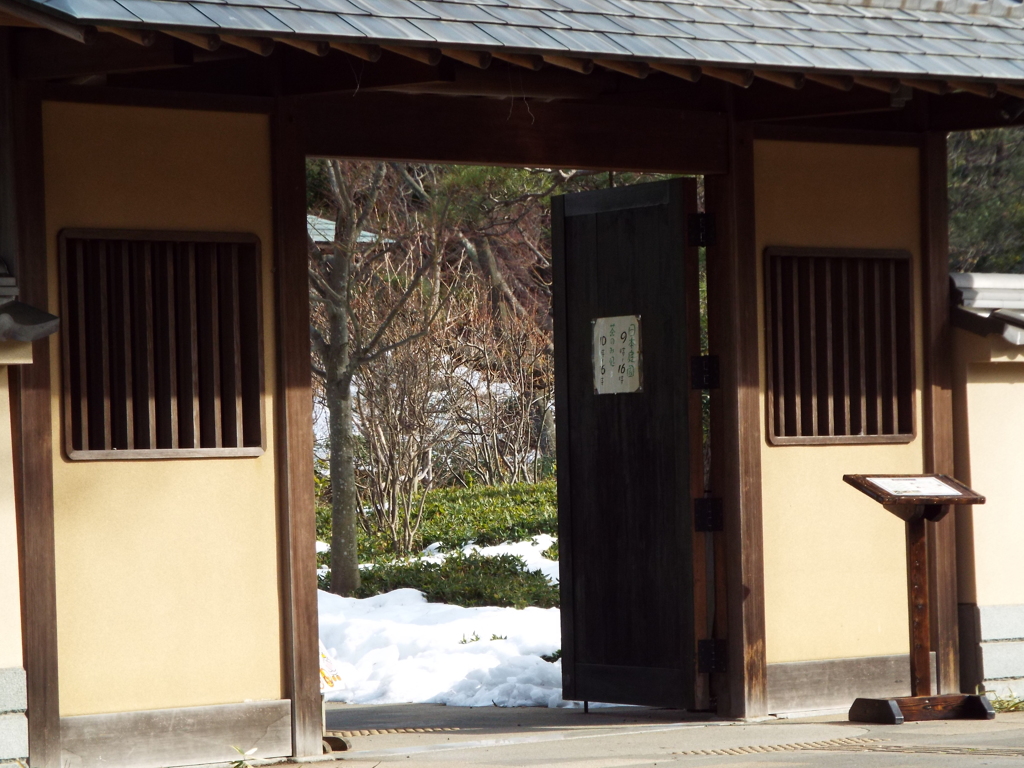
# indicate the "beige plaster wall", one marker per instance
pixel 10 584
pixel 167 571
pixel 989 411
pixel 835 567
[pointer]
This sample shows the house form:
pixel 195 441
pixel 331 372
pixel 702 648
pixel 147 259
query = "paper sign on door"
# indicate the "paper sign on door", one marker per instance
pixel 617 355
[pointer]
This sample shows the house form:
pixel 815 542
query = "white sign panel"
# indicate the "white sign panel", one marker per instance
pixel 617 358
pixel 914 486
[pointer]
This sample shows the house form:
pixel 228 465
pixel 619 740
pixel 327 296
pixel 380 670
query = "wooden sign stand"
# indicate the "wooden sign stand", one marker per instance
pixel 916 505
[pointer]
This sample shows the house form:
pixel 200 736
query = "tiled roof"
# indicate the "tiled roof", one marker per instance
pixel 977 41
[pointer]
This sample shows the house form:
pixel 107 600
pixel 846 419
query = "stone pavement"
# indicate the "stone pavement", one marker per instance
pixel 431 736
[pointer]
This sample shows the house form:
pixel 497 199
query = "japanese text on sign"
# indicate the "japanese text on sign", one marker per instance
pixel 914 486
pixel 617 355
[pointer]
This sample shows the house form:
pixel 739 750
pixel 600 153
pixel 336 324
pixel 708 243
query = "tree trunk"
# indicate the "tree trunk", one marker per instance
pixel 344 525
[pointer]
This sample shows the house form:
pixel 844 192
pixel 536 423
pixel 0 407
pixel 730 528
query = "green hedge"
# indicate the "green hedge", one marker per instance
pixel 466 580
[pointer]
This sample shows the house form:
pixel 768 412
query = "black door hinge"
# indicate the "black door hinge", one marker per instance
pixel 712 656
pixel 704 372
pixel 707 515
pixel 701 230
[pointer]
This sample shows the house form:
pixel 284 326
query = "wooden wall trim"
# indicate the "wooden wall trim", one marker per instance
pixel 185 736
pixel 139 97
pixel 33 444
pixel 561 135
pixel 804 686
pixel 736 423
pixel 293 408
pixel 937 428
pixel 784 132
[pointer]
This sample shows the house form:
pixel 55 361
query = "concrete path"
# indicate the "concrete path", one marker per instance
pixel 627 736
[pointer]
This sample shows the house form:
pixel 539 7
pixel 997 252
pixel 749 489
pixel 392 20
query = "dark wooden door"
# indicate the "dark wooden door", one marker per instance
pixel 625 521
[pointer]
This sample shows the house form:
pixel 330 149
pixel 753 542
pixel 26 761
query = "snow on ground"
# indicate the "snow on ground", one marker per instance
pixel 397 647
pixel 529 550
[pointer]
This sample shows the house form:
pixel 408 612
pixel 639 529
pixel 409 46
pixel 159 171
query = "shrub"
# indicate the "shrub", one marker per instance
pixel 489 515
pixel 467 580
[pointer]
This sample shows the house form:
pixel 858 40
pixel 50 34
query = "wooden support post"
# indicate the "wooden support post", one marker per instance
pixel 293 406
pixel 31 403
pixel 920 625
pixel 736 427
pixel 937 404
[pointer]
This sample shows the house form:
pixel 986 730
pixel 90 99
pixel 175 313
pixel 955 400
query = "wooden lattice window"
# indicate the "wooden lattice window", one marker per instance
pixel 162 344
pixel 840 346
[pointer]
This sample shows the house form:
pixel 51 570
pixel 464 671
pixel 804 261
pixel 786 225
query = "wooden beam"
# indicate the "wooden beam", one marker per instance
pixel 293 411
pixel 31 415
pixel 937 429
pixel 794 80
pixel 369 53
pixel 478 59
pixel 201 41
pixel 938 87
pixel 985 90
pixel 884 84
pixel 429 56
pixel 839 82
pixel 1017 91
pixel 81 34
pixel 739 77
pixel 736 425
pixel 143 37
pixel 524 60
pixel 583 66
pixel 553 134
pixel 637 69
pixel 683 72
pixel 261 46
pixel 313 47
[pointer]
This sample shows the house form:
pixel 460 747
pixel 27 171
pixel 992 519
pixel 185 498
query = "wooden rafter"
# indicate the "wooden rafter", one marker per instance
pixel 938 87
pixel 583 66
pixel 369 53
pixel 985 90
pixel 143 37
pixel 637 69
pixel 262 46
pixel 524 60
pixel 478 59
pixel 205 42
pixel 883 84
pixel 314 47
pixel 794 80
pixel 82 34
pixel 681 71
pixel 429 56
pixel 839 82
pixel 739 77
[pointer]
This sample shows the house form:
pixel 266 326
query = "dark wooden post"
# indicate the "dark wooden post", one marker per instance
pixel 920 622
pixel 294 436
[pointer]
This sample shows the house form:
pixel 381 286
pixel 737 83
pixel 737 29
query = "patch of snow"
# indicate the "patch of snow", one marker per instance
pixel 530 551
pixel 322 546
pixel 397 647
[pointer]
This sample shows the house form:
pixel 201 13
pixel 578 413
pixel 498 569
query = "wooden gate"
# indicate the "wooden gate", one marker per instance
pixel 622 401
